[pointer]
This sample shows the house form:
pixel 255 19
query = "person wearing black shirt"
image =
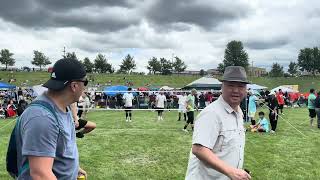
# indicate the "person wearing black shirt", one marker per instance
pixel 202 100
pixel 273 112
pixel 317 106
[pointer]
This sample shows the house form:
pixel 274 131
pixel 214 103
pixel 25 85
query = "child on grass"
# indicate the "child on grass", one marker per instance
pixel 262 125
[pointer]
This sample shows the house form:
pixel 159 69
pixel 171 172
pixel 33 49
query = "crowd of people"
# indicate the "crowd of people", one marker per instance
pixel 44 143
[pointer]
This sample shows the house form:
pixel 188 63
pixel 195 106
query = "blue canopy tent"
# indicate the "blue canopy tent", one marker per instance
pixel 6 86
pixel 112 90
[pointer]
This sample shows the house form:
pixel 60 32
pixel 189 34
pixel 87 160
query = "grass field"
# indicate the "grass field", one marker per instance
pixel 35 78
pixel 146 149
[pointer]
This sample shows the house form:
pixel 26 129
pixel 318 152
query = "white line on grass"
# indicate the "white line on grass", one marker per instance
pixel 10 121
pixel 287 122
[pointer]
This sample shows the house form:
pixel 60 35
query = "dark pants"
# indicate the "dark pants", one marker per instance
pixel 190 115
pixel 318 116
pixel 273 120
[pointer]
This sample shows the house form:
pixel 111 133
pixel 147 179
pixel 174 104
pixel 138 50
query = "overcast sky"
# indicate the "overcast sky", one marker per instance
pixel 195 30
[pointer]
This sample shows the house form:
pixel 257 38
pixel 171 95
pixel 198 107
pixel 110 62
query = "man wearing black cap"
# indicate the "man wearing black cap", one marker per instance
pixel 46 140
pixel 219 137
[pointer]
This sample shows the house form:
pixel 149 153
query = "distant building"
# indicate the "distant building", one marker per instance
pixel 213 72
pixel 256 71
pixel 190 73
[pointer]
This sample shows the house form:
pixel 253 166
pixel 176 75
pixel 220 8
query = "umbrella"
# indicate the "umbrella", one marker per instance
pixel 284 89
pixel 142 89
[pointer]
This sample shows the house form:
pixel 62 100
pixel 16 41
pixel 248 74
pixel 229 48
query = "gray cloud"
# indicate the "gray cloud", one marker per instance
pixel 196 30
pixel 113 15
pixel 91 16
pixel 267 44
pixel 206 14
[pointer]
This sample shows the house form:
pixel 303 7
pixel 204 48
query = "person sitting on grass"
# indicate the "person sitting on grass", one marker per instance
pixel 262 125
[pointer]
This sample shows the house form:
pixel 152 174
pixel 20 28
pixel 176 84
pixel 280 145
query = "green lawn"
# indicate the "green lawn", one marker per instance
pixel 146 149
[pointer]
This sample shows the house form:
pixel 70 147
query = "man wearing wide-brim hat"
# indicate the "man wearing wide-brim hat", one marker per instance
pixel 219 136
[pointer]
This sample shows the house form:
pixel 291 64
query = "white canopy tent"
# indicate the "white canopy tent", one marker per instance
pixel 205 83
pixel 38 90
pixel 255 87
pixel 166 88
pixel 284 89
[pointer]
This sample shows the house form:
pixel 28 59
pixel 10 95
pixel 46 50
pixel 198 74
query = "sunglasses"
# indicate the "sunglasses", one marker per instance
pixel 85 81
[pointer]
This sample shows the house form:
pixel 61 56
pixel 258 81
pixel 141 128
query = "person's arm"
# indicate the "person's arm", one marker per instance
pixel 41 168
pixel 208 157
pixel 74 111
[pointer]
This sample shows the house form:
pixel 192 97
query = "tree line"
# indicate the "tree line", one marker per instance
pixel 308 61
pixel 101 64
pixel 235 55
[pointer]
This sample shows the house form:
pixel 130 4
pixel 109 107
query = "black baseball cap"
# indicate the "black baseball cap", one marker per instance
pixel 64 71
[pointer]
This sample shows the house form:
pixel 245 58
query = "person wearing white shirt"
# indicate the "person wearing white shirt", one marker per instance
pixel 182 106
pixel 160 104
pixel 128 98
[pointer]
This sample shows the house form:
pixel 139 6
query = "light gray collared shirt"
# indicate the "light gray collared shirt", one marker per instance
pixel 219 128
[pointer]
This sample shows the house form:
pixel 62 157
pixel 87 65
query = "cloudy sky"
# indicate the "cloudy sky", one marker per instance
pixel 195 30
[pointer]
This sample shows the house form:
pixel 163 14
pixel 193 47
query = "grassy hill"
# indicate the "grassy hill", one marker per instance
pixel 305 83
pixel 35 78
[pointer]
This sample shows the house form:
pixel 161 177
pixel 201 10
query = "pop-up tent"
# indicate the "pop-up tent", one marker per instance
pixel 285 88
pixel 204 83
pixel 255 87
pixel 166 88
pixel 6 86
pixel 113 90
pixel 38 90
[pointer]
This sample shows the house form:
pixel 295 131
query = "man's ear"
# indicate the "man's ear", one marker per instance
pixel 73 86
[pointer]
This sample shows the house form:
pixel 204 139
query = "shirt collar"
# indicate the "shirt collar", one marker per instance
pixel 227 107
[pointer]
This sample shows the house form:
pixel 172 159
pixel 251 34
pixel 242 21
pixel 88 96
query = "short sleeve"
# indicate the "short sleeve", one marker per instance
pixel 39 136
pixel 206 130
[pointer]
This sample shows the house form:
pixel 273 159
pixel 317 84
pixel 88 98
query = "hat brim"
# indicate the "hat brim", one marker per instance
pixel 235 80
pixel 54 84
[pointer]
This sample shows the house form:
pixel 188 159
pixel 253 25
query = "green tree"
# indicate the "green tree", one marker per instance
pixel 308 60
pixel 71 55
pixel 154 65
pixel 101 65
pixel 202 72
pixel 220 68
pixel 166 66
pixel 6 58
pixel 235 55
pixel 276 70
pixel 293 68
pixel 316 58
pixel 178 65
pixel 127 65
pixel 88 65
pixel 40 59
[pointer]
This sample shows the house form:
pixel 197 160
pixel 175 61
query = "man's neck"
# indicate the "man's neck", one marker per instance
pixel 59 100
